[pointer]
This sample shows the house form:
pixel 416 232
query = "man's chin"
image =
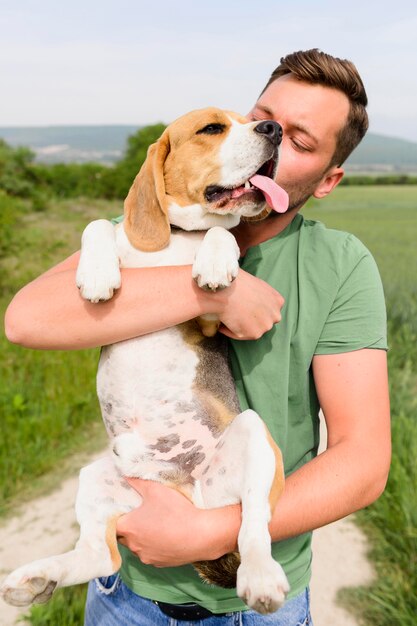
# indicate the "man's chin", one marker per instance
pixel 298 201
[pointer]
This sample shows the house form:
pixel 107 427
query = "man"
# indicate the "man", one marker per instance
pixel 329 351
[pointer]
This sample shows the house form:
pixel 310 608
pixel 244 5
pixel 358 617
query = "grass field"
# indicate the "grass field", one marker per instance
pixel 385 219
pixel 48 401
pixel 49 410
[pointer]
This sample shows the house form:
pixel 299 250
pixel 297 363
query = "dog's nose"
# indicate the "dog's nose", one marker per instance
pixel 271 129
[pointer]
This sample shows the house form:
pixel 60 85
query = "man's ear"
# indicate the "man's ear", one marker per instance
pixel 329 182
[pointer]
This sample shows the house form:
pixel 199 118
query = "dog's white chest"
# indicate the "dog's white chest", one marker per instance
pixel 181 250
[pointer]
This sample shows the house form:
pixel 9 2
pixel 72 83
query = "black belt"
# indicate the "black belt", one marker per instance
pixel 186 612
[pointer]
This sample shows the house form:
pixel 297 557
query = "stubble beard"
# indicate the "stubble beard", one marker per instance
pixel 298 196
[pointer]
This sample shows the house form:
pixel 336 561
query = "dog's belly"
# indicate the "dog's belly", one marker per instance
pixel 173 387
pixel 178 398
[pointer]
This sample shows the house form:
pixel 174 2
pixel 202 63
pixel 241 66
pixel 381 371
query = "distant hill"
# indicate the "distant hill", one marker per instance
pixel 106 144
pixel 381 153
pixel 66 144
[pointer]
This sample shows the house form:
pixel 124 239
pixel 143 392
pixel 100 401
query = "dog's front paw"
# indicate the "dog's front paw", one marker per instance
pixel 98 272
pixel 262 586
pixel 98 283
pixel 24 589
pixel 214 274
pixel 216 263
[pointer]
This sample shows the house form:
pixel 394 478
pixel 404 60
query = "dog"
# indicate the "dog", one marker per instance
pixel 168 400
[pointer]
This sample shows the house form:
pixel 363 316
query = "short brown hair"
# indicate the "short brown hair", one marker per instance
pixel 316 67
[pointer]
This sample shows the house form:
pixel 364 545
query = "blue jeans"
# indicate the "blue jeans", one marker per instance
pixel 111 603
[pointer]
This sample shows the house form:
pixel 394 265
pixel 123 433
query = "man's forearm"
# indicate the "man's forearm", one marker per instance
pixel 49 313
pixel 342 480
pixel 338 482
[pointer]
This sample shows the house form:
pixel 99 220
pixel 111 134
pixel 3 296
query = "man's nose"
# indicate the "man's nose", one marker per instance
pixel 271 129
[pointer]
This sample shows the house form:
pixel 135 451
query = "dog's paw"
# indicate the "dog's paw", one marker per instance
pixel 98 283
pixel 262 586
pixel 98 272
pixel 213 274
pixel 216 263
pixel 21 589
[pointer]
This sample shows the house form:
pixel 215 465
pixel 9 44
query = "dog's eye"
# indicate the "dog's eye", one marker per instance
pixel 211 129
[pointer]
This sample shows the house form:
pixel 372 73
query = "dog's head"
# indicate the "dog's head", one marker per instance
pixel 197 175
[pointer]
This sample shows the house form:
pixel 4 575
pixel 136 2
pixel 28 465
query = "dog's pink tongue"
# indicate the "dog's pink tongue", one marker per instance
pixel 275 195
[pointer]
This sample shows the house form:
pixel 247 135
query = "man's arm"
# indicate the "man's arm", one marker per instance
pixel 49 312
pixel 352 472
pixel 353 393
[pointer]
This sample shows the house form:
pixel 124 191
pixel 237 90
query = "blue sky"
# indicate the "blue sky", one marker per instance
pixel 137 62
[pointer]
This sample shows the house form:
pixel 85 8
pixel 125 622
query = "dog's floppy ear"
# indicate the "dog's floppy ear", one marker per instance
pixel 146 206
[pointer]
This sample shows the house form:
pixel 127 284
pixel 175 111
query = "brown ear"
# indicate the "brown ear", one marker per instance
pixel 146 206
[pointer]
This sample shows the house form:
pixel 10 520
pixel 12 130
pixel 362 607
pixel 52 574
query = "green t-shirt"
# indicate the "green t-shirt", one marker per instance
pixel 334 303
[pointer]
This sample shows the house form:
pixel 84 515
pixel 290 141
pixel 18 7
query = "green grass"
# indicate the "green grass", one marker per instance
pixel 385 219
pixel 66 609
pixel 51 392
pixel 48 402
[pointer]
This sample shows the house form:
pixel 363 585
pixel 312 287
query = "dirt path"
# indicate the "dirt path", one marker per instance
pixel 47 526
pixel 339 560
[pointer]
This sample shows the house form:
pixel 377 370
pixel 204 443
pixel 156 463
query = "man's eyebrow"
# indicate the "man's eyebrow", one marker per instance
pixel 306 131
pixel 265 109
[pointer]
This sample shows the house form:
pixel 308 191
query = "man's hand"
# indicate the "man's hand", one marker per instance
pixel 168 530
pixel 249 307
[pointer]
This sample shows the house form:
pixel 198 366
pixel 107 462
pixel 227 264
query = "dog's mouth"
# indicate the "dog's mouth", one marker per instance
pixel 258 188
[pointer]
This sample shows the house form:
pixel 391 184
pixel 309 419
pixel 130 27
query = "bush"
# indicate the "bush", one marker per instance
pixel 10 211
pixel 125 170
pixel 72 180
pixel 16 176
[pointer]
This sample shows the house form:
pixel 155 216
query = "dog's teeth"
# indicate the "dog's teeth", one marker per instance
pixel 247 185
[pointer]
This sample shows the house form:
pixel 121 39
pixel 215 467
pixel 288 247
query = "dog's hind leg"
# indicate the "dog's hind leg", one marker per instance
pixel 247 467
pixel 102 497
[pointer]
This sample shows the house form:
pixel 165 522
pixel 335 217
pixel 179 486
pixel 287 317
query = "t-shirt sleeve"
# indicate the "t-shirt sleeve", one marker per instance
pixel 357 318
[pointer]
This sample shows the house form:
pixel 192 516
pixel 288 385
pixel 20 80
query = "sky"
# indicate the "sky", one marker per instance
pixel 141 62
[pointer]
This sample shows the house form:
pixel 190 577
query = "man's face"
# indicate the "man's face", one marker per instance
pixel 311 117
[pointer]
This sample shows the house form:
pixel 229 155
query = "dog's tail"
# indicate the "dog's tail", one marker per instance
pixel 221 571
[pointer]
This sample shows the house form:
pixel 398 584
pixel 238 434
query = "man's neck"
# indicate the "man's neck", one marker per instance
pixel 250 234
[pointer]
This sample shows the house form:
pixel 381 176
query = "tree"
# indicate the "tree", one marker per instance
pixel 120 178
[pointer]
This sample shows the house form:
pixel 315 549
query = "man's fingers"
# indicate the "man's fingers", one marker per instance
pixel 228 333
pixel 139 484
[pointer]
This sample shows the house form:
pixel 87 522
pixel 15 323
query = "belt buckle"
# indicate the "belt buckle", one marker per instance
pixel 186 612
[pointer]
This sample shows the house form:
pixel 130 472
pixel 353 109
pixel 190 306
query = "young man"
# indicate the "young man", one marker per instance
pixel 328 351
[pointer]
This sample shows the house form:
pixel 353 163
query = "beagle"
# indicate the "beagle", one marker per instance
pixel 168 400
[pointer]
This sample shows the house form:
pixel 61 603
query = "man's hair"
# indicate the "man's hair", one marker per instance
pixel 319 68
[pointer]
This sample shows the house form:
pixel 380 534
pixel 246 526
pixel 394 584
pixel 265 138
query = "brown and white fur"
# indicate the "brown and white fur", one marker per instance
pixel 167 398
